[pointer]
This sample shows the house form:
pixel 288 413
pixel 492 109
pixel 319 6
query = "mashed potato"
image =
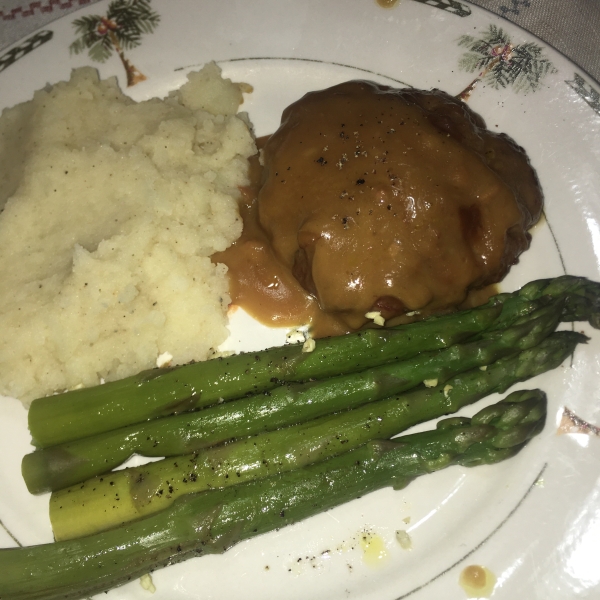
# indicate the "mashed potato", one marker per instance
pixel 111 210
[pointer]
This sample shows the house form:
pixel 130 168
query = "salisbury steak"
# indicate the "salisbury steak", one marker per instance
pixel 394 200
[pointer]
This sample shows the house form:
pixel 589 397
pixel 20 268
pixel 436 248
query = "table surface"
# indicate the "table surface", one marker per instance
pixel 570 26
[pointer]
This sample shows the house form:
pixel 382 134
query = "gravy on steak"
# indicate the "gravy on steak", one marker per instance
pixel 379 199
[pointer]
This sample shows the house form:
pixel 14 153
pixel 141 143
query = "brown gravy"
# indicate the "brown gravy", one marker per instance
pixel 260 283
pixel 376 199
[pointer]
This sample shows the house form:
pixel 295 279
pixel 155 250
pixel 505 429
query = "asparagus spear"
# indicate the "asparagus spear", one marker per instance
pixel 582 296
pixel 156 393
pixel 212 522
pixel 60 466
pixel 161 392
pixel 121 496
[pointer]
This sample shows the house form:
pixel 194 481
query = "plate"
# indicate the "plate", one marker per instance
pixel 533 521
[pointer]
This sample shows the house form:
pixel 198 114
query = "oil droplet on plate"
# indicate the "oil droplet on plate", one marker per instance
pixel 478 582
pixel 374 551
pixel 388 3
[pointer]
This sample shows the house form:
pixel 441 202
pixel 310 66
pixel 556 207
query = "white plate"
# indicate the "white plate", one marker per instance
pixel 533 521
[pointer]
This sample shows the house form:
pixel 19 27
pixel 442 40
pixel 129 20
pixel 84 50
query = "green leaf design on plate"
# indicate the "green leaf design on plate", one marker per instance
pixel 502 64
pixel 120 29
